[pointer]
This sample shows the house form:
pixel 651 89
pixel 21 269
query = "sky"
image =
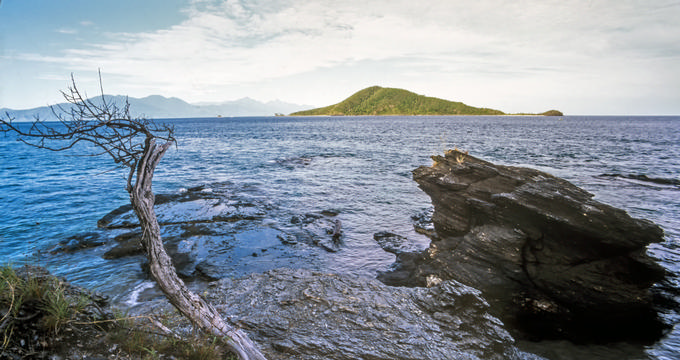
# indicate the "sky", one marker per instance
pixel 583 57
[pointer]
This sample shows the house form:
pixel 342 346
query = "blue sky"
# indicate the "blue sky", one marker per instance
pixel 579 56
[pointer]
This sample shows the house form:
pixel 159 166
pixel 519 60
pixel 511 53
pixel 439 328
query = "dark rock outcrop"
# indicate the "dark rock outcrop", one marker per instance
pixel 78 242
pixel 300 314
pixel 552 261
pixel 128 244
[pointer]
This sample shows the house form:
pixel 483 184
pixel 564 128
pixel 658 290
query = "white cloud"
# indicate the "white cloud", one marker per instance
pixel 494 48
pixel 67 31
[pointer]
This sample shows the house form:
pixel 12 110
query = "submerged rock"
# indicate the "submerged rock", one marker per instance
pixel 645 179
pixel 552 260
pixel 316 229
pixel 221 229
pixel 394 243
pixel 127 244
pixel 78 242
pixel 309 315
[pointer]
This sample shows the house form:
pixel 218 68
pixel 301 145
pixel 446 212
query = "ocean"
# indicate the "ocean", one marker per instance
pixel 356 167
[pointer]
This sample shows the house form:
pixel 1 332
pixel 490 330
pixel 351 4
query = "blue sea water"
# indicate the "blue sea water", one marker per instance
pixel 358 166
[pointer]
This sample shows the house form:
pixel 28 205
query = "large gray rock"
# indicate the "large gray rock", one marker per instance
pixel 299 314
pixel 549 258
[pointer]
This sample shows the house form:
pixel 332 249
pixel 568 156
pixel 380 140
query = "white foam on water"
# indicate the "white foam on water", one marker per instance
pixel 133 300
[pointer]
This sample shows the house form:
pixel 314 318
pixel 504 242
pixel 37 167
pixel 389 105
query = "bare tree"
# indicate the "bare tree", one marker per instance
pixel 137 144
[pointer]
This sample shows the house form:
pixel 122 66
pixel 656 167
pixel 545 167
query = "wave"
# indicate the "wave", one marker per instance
pixel 133 299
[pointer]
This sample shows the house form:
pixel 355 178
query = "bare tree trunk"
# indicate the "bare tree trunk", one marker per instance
pixel 191 305
pixel 110 127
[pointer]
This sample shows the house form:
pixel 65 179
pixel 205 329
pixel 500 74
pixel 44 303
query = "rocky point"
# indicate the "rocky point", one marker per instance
pixel 552 261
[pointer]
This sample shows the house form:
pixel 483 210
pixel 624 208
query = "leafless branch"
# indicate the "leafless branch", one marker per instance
pixel 104 124
pixel 133 143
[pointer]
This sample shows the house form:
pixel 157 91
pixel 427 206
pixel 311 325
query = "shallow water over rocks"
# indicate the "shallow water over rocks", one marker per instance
pixel 359 168
pixel 212 231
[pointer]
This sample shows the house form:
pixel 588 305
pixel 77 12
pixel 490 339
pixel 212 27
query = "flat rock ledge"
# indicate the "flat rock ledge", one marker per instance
pixel 551 261
pixel 308 315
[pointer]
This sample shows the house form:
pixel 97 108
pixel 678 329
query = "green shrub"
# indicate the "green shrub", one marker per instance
pixel 38 306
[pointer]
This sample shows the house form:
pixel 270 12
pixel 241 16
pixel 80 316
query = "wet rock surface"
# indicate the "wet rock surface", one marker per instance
pixel 216 230
pixel 78 242
pixel 552 261
pixel 320 229
pixel 310 315
pixel 394 243
pixel 422 223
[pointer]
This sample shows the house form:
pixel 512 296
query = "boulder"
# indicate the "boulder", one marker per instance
pixel 553 262
pixel 300 314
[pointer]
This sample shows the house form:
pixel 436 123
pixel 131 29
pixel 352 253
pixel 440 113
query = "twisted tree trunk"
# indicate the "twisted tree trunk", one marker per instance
pixel 191 305
pixel 112 129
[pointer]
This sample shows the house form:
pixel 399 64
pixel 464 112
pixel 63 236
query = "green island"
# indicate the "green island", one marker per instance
pixel 376 100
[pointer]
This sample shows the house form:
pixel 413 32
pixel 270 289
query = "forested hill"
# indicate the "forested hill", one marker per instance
pixel 377 100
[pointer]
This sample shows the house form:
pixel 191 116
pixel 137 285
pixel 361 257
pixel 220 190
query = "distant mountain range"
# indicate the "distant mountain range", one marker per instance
pixel 159 107
pixel 377 100
pixel 374 100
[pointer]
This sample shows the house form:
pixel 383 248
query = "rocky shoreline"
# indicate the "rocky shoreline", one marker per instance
pixel 515 253
pixel 310 315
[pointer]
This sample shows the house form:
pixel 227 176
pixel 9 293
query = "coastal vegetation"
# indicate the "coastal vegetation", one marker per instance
pixel 552 113
pixel 45 317
pixel 138 145
pixel 377 100
pixel 546 113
